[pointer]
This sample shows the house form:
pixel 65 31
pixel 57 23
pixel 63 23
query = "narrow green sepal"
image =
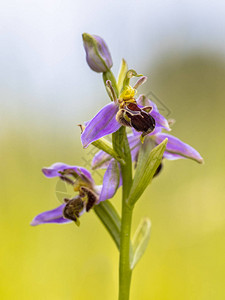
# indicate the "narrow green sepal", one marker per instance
pixel 106 146
pixel 148 162
pixel 140 241
pixel 110 219
pixel 122 74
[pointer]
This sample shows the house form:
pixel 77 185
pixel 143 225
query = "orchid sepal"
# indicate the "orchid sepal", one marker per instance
pixel 103 123
pixel 177 148
pixel 122 74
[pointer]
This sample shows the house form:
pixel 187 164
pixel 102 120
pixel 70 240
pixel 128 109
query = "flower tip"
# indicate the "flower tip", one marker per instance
pixel 46 172
pixel 33 222
pixel 124 61
pixel 87 38
pixel 201 161
pixel 84 35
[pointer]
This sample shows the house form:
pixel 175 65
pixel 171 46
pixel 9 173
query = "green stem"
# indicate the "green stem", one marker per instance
pixel 125 271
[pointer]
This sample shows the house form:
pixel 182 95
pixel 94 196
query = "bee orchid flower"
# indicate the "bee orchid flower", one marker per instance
pixel 175 149
pixel 88 193
pixel 124 111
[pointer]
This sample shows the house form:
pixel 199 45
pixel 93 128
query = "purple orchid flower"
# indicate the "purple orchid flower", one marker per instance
pixel 88 195
pixel 124 111
pixel 175 149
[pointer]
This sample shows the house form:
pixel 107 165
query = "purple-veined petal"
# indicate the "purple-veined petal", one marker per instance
pixel 102 124
pixel 160 120
pixel 176 146
pixel 172 156
pixel 111 181
pixel 101 160
pixel 51 216
pixel 53 170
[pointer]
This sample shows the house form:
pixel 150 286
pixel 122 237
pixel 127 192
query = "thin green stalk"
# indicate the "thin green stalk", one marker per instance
pixel 125 271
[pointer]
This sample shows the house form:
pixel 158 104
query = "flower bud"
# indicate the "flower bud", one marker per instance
pixel 97 53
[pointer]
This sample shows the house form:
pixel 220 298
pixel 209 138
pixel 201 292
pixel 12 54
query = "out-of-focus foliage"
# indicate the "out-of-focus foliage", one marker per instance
pixel 185 258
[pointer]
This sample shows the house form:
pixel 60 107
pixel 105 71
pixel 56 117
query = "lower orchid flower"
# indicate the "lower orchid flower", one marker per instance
pixel 88 193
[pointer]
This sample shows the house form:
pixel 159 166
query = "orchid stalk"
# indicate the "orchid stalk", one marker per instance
pixel 138 143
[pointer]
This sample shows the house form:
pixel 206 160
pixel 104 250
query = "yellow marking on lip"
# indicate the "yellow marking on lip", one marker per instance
pixel 128 93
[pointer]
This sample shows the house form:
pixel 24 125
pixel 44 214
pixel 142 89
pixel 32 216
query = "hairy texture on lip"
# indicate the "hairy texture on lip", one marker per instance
pixel 73 208
pixel 90 195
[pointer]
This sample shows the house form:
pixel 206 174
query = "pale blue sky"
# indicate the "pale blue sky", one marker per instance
pixel 42 61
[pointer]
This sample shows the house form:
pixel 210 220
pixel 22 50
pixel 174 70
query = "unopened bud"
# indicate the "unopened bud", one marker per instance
pixel 97 53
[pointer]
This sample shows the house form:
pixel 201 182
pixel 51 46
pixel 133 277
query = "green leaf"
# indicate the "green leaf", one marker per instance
pixel 110 219
pixel 148 162
pixel 140 241
pixel 106 146
pixel 122 74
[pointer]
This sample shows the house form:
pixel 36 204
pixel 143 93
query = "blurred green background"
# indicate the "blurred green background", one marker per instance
pixel 185 258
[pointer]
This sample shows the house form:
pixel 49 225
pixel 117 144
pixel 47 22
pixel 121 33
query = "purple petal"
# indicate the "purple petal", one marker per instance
pixel 159 119
pixel 102 124
pixel 51 216
pixel 101 160
pixel 172 156
pixel 135 143
pixel 111 181
pixel 176 146
pixel 53 170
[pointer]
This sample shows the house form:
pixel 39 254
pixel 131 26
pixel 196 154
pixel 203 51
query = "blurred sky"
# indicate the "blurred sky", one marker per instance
pixel 43 70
